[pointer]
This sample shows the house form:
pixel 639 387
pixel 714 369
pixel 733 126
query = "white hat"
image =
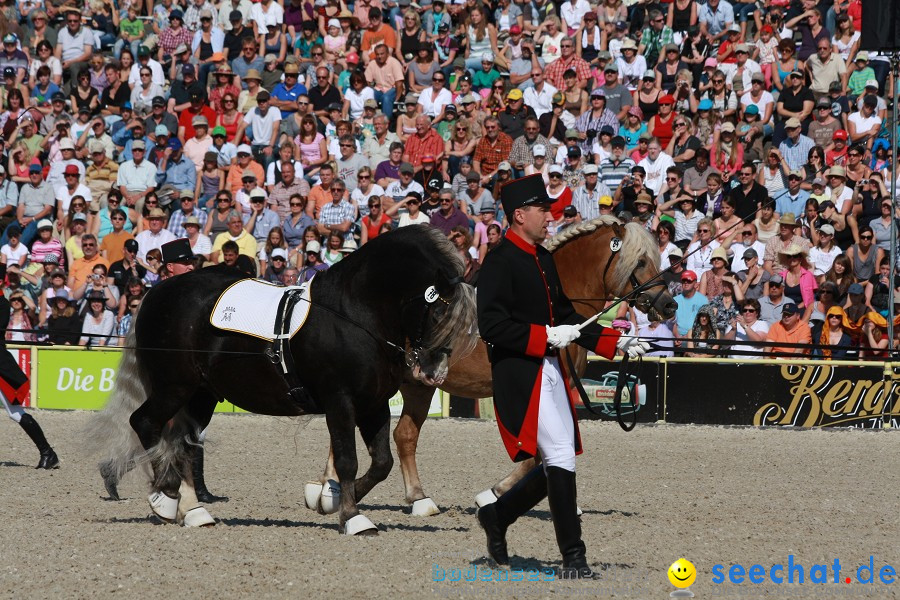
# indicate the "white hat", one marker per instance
pixel 313 246
pixel 66 144
pixel 487 57
pixel 257 193
pixel 44 224
pixel 590 169
pixel 872 83
pixel 245 149
pixel 349 246
pixel 279 252
pixel 334 23
pixel 555 169
pixel 539 150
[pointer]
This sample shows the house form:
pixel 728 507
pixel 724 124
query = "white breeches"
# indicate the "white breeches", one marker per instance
pixel 556 427
pixel 14 411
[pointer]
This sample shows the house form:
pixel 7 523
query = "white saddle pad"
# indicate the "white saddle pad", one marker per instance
pixel 249 306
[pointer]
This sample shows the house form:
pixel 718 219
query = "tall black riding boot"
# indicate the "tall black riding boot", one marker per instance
pixel 203 494
pixel 496 518
pixel 49 460
pixel 563 508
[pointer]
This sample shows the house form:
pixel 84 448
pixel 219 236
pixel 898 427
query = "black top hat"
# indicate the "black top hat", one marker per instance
pixel 526 191
pixel 177 251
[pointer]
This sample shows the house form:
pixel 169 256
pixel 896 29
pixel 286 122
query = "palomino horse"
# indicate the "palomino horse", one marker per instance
pixel 591 272
pixel 405 286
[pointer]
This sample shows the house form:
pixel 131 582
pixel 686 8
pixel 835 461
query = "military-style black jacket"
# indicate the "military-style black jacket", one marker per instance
pixel 519 294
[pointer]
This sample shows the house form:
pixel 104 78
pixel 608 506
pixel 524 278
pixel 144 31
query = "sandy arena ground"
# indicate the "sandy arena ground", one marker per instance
pixel 712 495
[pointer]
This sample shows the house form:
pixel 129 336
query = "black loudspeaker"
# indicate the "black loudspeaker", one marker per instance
pixel 880 25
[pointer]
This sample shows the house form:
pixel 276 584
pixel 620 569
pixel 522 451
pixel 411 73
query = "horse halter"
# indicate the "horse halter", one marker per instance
pixel 428 300
pixel 638 290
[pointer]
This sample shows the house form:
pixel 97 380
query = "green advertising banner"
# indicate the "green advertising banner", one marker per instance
pixel 79 379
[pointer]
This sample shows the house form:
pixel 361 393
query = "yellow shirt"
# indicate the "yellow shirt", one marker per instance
pixel 246 244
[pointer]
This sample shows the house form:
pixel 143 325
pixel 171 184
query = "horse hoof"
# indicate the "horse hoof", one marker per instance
pixel 165 507
pixel 198 517
pixel 330 501
pixel 312 492
pixel 425 508
pixel 484 498
pixel 360 525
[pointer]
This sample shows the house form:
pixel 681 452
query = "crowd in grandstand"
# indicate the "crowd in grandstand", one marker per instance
pixel 749 137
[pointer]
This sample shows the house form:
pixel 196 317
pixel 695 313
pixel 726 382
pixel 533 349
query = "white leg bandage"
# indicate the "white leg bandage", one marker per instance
pixel 556 429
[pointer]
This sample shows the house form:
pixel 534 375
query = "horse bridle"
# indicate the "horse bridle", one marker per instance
pixel 428 300
pixel 637 288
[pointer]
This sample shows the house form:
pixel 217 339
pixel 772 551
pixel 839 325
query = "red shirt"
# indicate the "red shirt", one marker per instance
pixel 417 147
pixel 373 228
pixel 187 115
pixel 561 202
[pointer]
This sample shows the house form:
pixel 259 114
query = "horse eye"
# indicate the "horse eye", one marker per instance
pixel 641 264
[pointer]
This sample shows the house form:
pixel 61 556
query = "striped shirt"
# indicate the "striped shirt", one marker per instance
pixel 796 154
pixel 587 203
pixel 612 173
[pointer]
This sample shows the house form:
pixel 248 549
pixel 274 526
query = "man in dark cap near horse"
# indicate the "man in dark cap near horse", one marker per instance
pixel 177 258
pixel 525 318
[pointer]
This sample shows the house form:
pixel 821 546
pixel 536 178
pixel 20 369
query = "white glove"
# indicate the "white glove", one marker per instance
pixel 562 335
pixel 632 346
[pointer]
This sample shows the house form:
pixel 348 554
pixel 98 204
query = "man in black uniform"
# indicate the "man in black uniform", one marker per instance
pixel 526 319
pixel 14 388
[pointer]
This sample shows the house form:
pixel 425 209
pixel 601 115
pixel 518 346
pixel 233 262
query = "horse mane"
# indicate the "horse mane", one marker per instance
pixel 637 245
pixel 454 328
pixel 455 325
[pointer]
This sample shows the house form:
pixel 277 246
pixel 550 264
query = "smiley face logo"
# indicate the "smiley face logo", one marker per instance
pixel 682 573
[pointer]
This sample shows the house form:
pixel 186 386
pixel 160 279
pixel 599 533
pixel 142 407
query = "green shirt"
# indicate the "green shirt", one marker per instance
pixel 483 80
pixel 857 82
pixel 133 28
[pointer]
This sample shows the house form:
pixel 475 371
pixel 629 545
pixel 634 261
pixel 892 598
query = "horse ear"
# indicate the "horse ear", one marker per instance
pixel 444 283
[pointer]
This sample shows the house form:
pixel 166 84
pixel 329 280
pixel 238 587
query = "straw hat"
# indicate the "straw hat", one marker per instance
pixel 719 253
pixel 793 250
pixel 788 219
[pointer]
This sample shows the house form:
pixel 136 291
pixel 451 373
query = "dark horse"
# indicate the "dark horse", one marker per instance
pixel 591 273
pixel 178 366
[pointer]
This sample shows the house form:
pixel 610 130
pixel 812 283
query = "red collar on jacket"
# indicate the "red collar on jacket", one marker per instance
pixel 521 243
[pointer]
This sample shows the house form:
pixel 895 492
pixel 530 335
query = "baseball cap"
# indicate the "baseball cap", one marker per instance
pixel 574 152
pixel 776 280
pixel 789 309
pixel 174 143
pixel 34 168
pixel 138 145
pixel 855 288
pixel 45 224
pixel 750 253
pixel 66 144
pixel 688 276
pixel 827 229
pixel 792 123
pixel 617 141
pixel 605 200
pixel 161 130
pixel 158 101
pixel 82 217
pixel 514 94
pixel 219 130
pixel 406 168
pixel 50 259
pixel 840 134
pixel 589 169
pixel 71 170
pixel 571 134
pixel 555 169
pixel 244 149
pixel 279 253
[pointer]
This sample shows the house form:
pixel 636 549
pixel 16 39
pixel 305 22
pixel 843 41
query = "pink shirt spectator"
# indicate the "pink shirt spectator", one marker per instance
pixel 808 285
